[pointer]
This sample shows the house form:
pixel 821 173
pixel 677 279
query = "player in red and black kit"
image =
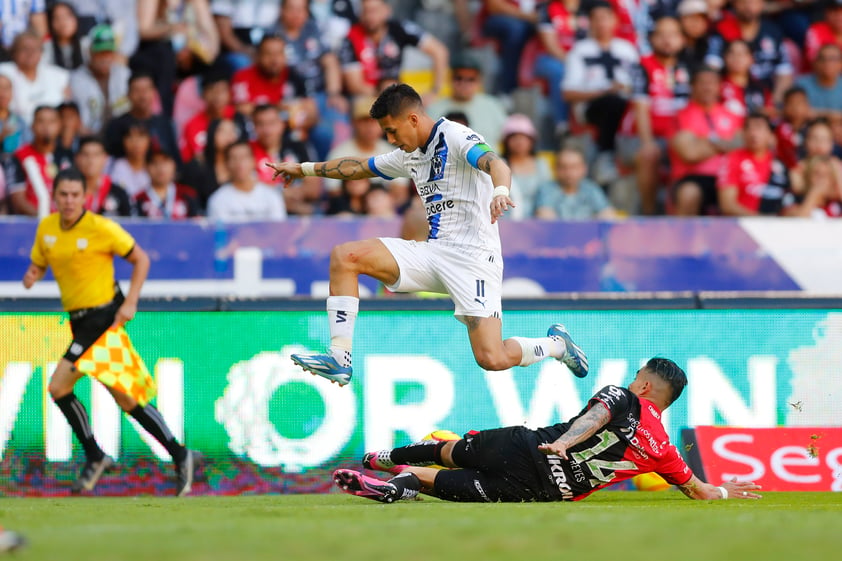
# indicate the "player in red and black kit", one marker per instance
pixel 617 436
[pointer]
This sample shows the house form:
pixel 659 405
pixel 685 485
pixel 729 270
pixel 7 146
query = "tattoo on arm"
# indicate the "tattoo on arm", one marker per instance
pixel 690 489
pixel 343 168
pixel 587 425
pixel 485 160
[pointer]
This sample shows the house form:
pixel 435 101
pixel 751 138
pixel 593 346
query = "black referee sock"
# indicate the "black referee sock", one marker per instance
pixel 77 416
pixel 422 453
pixel 151 419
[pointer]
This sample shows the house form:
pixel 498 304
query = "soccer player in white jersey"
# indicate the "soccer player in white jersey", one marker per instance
pixel 465 189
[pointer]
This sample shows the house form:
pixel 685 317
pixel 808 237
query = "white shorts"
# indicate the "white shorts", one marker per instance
pixel 475 284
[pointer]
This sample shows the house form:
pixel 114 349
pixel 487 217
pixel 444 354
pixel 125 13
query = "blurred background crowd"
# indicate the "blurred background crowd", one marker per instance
pixel 603 108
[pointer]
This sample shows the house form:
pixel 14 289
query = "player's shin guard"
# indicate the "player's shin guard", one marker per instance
pixel 77 416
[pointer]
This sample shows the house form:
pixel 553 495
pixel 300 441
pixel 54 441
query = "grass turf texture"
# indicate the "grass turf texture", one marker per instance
pixel 607 526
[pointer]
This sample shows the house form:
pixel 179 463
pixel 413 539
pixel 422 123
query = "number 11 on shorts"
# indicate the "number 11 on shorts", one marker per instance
pixel 480 288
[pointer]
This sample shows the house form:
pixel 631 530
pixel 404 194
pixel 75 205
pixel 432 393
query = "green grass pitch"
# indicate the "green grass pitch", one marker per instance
pixel 621 526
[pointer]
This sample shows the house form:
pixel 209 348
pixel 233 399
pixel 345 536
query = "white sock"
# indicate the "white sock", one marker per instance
pixel 342 313
pixel 539 348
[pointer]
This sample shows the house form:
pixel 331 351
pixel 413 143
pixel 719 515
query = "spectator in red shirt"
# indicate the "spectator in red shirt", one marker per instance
pixel 373 50
pixel 741 92
pixel 272 143
pixel 826 31
pixel 216 93
pixel 102 196
pixel 163 198
pixel 46 158
pixel 789 133
pixel 661 86
pixel 706 132
pixel 753 181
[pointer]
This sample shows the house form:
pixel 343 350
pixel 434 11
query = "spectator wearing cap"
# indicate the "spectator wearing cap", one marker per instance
pixel 100 87
pixel 373 50
pixel 102 195
pixel 824 85
pixel 244 199
pixel 695 25
pixel 216 96
pixel 142 97
pixel 485 112
pixel 366 142
pixel 571 195
pixel 598 82
pixel 34 84
pixel 771 60
pixel 163 198
pixel 825 31
pixel 528 170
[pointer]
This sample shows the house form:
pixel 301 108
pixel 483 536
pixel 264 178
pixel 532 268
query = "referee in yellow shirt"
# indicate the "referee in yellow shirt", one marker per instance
pixel 80 247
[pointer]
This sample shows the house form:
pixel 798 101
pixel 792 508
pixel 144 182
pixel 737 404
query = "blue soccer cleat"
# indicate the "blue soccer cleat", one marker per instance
pixel 574 358
pixel 325 366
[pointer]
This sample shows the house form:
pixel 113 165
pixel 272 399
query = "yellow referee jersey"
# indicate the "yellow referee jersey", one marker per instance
pixel 81 257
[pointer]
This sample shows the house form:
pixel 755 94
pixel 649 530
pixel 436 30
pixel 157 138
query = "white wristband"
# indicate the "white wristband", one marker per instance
pixel 500 190
pixel 724 492
pixel 308 169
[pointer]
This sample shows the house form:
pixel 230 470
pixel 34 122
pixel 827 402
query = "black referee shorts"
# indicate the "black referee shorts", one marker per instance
pixel 497 466
pixel 87 325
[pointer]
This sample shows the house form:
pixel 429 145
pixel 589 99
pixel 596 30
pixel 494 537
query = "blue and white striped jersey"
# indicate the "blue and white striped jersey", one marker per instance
pixel 456 194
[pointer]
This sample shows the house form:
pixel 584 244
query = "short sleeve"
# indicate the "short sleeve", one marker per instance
pixel 37 253
pixel 240 88
pixel 121 242
pixel 640 83
pixel 389 165
pixel 617 400
pixel 574 74
pixel 716 47
pixel 347 55
pixel 406 33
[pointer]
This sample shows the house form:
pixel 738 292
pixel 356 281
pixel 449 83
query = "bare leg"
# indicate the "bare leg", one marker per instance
pixel 350 260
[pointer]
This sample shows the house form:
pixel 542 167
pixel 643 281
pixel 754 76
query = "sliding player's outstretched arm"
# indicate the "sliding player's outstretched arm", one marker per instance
pixel 340 168
pixel 582 429
pixel 698 489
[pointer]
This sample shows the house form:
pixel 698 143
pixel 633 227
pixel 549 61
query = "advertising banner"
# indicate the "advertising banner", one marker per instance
pixel 228 388
pixel 779 459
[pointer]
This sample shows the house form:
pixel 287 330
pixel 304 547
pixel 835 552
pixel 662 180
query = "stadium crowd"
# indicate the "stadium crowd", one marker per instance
pixel 171 108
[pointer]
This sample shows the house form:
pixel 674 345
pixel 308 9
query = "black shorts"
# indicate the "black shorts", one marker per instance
pixel 89 324
pixel 707 184
pixel 498 465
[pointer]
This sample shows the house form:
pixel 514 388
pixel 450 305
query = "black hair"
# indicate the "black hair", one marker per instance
pixel 704 69
pixel 669 372
pixel 794 90
pixel 270 36
pixel 139 75
pixel 394 100
pixel 757 116
pixel 264 107
pixel 75 60
pixel 817 122
pixel 236 144
pixel 136 126
pixel 89 139
pixel 43 108
pixel 210 147
pixel 597 4
pixel 458 117
pixel 68 174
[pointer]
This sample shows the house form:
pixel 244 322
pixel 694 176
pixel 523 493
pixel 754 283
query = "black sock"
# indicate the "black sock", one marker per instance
pixel 407 484
pixel 77 416
pixel 151 419
pixel 423 453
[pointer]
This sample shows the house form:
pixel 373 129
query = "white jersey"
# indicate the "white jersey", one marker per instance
pixel 456 195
